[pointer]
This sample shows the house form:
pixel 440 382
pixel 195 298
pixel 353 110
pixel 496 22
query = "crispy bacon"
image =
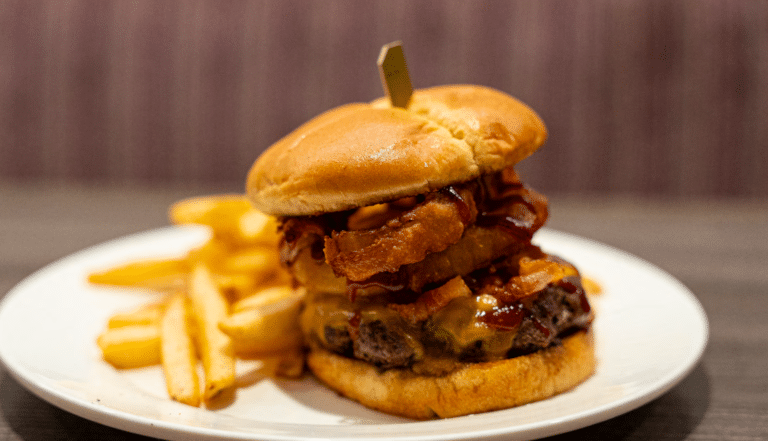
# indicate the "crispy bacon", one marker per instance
pixel 299 233
pixel 520 276
pixel 535 275
pixel 477 248
pixel 422 240
pixel 509 204
pixel 429 227
pixel 432 301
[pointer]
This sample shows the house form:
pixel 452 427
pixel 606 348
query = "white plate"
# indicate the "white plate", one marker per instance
pixel 650 332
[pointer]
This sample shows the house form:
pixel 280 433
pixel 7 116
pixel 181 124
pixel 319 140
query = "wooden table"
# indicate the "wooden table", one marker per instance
pixel 719 249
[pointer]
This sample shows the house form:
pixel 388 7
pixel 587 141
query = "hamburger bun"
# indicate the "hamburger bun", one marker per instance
pixel 472 388
pixel 428 299
pixel 362 154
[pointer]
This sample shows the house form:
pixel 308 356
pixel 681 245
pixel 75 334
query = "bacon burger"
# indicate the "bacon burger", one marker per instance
pixel 411 232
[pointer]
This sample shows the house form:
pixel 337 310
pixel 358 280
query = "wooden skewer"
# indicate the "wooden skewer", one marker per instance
pixel 394 74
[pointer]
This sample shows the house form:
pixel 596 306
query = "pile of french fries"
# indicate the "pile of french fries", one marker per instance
pixel 225 300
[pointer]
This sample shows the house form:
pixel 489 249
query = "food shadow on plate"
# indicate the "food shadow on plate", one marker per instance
pixel 310 392
pixel 223 400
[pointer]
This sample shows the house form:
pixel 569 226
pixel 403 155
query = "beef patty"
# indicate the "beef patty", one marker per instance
pixel 463 330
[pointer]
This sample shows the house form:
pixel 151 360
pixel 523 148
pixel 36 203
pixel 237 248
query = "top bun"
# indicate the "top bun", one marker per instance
pixel 362 154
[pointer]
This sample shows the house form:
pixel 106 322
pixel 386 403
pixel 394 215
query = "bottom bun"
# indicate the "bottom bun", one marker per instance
pixel 472 388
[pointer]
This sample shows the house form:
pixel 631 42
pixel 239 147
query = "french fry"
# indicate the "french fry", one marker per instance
pixel 251 260
pixel 206 209
pixel 264 297
pixel 260 348
pixel 266 329
pixel 230 216
pixel 209 307
pixel 149 314
pixel 235 285
pixel 220 212
pixel 131 346
pixel 211 252
pixel 237 271
pixel 151 273
pixel 280 277
pixel 256 227
pixel 178 354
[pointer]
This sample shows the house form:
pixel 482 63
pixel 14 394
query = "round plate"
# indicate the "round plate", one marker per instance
pixel 650 332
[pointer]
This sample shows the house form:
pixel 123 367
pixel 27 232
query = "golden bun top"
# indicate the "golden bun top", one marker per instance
pixel 362 154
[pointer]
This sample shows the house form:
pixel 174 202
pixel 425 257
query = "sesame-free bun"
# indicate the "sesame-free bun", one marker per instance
pixel 361 154
pixel 472 388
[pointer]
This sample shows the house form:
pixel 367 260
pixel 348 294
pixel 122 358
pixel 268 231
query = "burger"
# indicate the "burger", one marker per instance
pixel 412 233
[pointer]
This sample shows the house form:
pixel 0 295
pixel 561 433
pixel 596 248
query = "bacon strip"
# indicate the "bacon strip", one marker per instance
pixel 451 232
pixel 298 233
pixel 535 275
pixel 477 248
pixel 429 227
pixel 432 301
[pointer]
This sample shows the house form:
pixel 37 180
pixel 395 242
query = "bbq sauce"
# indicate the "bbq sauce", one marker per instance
pixel 300 233
pixel 572 285
pixel 509 204
pixel 462 206
pixel 508 317
pixel 512 225
pixel 389 282
pixel 308 232
pixel 505 317
pixel 353 326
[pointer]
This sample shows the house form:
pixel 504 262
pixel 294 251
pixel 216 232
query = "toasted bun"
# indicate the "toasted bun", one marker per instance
pixel 472 388
pixel 361 154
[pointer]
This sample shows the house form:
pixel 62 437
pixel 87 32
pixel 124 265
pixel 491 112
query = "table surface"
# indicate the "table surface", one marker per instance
pixel 718 248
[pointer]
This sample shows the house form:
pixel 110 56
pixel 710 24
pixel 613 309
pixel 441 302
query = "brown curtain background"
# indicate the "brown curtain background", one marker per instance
pixel 644 96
